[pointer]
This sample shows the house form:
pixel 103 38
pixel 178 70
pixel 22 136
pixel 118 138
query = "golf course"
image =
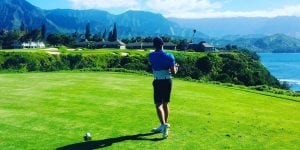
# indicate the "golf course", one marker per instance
pixel 54 110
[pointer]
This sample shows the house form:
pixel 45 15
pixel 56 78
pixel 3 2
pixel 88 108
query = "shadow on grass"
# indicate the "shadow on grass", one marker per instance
pixel 90 145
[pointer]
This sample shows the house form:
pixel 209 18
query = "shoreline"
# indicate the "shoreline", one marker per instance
pixel 293 83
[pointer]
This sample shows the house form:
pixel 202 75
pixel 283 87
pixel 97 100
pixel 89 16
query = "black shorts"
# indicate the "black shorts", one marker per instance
pixel 162 91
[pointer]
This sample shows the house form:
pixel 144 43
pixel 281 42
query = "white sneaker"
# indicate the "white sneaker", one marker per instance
pixel 165 131
pixel 168 125
pixel 158 130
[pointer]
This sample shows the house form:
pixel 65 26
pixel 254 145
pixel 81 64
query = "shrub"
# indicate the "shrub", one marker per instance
pixel 230 67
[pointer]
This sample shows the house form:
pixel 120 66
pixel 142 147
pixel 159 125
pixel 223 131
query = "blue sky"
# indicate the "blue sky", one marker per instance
pixel 184 8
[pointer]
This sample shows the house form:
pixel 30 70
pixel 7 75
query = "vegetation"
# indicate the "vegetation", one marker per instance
pixel 228 67
pixel 60 39
pixel 55 110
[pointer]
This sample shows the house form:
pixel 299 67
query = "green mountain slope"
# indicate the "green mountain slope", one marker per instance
pixel 277 43
pixel 55 110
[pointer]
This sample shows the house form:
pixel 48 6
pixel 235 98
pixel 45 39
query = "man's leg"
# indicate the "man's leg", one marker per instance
pixel 166 111
pixel 165 131
pixel 161 116
pixel 160 113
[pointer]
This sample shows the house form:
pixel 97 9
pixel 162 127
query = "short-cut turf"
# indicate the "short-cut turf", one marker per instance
pixel 55 110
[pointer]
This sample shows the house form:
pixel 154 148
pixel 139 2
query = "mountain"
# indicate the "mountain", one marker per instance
pixel 277 43
pixel 130 23
pixel 13 12
pixel 135 22
pixel 218 27
pixel 68 20
pixel 257 34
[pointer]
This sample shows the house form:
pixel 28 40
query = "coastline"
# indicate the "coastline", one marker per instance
pixel 295 84
pixel 284 66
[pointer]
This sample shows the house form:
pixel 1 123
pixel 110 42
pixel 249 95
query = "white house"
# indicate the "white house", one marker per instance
pixel 33 45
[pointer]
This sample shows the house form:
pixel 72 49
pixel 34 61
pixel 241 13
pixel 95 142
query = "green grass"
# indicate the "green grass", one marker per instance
pixel 52 110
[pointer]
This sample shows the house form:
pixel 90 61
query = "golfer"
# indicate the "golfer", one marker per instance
pixel 163 66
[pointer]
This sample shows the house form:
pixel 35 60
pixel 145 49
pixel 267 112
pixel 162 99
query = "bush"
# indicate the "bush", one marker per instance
pixel 230 67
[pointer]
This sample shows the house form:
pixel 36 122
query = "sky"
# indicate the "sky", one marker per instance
pixel 184 8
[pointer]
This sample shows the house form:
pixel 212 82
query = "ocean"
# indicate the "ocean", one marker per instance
pixel 284 66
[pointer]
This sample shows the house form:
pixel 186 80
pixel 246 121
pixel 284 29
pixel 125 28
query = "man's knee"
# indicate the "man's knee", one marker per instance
pixel 159 105
pixel 165 104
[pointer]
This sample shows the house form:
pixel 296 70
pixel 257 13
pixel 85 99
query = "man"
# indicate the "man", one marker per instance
pixel 163 65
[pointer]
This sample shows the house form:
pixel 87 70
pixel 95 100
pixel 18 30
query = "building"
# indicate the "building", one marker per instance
pixel 207 47
pixel 148 45
pixel 139 45
pixel 25 45
pixel 104 44
pixel 202 47
pixel 33 45
pixel 116 44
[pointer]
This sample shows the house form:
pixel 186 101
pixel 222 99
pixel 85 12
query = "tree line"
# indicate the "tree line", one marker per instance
pixel 26 34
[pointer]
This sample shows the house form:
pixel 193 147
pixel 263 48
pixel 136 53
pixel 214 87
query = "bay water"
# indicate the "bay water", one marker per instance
pixel 284 66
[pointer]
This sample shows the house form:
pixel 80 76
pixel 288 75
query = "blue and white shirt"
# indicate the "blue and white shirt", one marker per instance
pixel 161 62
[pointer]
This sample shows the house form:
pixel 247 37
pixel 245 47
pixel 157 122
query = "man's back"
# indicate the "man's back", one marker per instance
pixel 161 60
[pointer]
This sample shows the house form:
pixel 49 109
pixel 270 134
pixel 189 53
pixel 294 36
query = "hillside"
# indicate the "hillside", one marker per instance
pixel 131 23
pixel 55 110
pixel 277 43
pixel 13 12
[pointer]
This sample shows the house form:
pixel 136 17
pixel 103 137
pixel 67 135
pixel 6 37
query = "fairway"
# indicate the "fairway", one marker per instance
pixel 55 110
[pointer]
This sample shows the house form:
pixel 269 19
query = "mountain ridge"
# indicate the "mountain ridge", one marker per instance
pixel 132 23
pixel 251 33
pixel 215 27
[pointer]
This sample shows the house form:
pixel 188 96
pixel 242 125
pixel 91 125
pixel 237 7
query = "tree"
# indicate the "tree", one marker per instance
pixel 228 47
pixel 88 31
pixel 114 33
pixel 194 32
pixel 166 39
pixel 126 40
pixel 60 39
pixel 43 31
pixel 182 45
pixel 9 38
pixel 148 39
pixel 54 39
pixel 33 35
pixel 110 36
pixel 137 39
pixel 67 40
pixel 22 26
pixel 104 35
pixel 97 37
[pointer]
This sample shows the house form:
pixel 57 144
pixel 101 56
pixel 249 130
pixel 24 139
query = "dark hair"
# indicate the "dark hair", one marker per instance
pixel 158 43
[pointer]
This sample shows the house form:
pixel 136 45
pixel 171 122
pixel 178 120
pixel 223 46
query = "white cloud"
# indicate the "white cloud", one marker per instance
pixel 183 8
pixel 285 11
pixel 207 9
pixel 104 4
pixel 175 8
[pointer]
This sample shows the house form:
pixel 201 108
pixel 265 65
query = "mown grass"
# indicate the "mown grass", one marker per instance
pixel 55 110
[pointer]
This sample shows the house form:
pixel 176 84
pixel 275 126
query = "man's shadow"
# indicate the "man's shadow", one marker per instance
pixel 90 145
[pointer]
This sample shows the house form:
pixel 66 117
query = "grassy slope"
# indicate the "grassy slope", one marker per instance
pixel 51 110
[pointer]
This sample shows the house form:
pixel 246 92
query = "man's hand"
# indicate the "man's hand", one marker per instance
pixel 174 69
